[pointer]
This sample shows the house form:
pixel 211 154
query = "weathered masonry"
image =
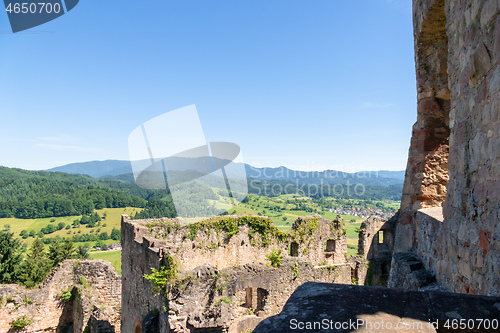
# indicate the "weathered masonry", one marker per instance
pixel 449 223
pixel 93 301
pixel 375 244
pixel 225 282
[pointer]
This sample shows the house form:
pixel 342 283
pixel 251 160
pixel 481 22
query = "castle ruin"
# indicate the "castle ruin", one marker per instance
pixel 226 281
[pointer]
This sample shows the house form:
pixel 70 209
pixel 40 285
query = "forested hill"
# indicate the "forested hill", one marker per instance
pixel 37 194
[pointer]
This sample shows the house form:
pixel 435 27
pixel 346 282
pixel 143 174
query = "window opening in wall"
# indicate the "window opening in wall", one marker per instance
pixel 294 249
pixel 385 268
pixel 261 299
pixel 330 245
pixel 380 237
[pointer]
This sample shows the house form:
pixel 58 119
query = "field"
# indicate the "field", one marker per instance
pixel 112 219
pixel 114 257
pixel 282 210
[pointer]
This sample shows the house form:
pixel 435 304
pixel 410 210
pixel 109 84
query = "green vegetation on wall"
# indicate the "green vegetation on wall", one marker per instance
pixel 162 279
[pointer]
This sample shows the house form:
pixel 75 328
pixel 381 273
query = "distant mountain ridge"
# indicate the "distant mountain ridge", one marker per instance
pixel 96 169
pixel 114 168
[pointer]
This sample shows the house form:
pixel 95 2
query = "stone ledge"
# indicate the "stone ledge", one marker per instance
pixel 335 303
pixel 436 213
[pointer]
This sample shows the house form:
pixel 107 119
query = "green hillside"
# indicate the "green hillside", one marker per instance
pixel 111 218
pixel 39 194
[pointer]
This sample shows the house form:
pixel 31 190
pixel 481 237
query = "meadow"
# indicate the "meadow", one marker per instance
pixel 111 218
pixel 114 257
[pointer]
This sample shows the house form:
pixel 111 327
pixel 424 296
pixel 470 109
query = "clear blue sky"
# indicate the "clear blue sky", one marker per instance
pixel 309 84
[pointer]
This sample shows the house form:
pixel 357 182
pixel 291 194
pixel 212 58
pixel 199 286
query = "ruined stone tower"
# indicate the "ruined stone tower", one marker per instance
pixel 450 210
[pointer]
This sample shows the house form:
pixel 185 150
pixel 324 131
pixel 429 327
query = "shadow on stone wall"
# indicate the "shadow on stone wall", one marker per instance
pixel 95 325
pixel 65 324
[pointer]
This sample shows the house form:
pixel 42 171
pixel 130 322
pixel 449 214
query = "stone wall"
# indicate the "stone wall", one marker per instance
pixel 375 239
pixel 238 298
pixel 471 211
pixel 327 242
pixel 375 244
pixel 225 281
pixel 139 255
pixel 457 55
pixel 96 302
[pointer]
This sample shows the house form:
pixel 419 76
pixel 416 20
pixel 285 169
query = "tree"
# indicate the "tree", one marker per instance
pixel 60 251
pixel 115 234
pixel 82 253
pixel 68 249
pixel 95 217
pixel 104 236
pixel 55 252
pixel 6 227
pixel 85 219
pixel 10 257
pixel 24 234
pixel 61 225
pixel 32 233
pixel 36 267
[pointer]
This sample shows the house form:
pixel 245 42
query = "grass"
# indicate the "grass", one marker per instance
pixel 113 219
pixel 114 257
pixel 352 238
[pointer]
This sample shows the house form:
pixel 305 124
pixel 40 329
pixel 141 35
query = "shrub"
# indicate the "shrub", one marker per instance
pixel 21 322
pixel 275 257
pixel 225 300
pixel 296 270
pixel 82 281
pixel 160 279
pixel 66 295
pixel 27 301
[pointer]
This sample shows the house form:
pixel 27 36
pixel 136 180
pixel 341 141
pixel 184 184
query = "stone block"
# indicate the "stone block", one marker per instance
pixel 496 43
pixel 489 11
pixel 484 239
pixel 494 84
pixel 428 106
pixel 464 268
pixel 480 63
